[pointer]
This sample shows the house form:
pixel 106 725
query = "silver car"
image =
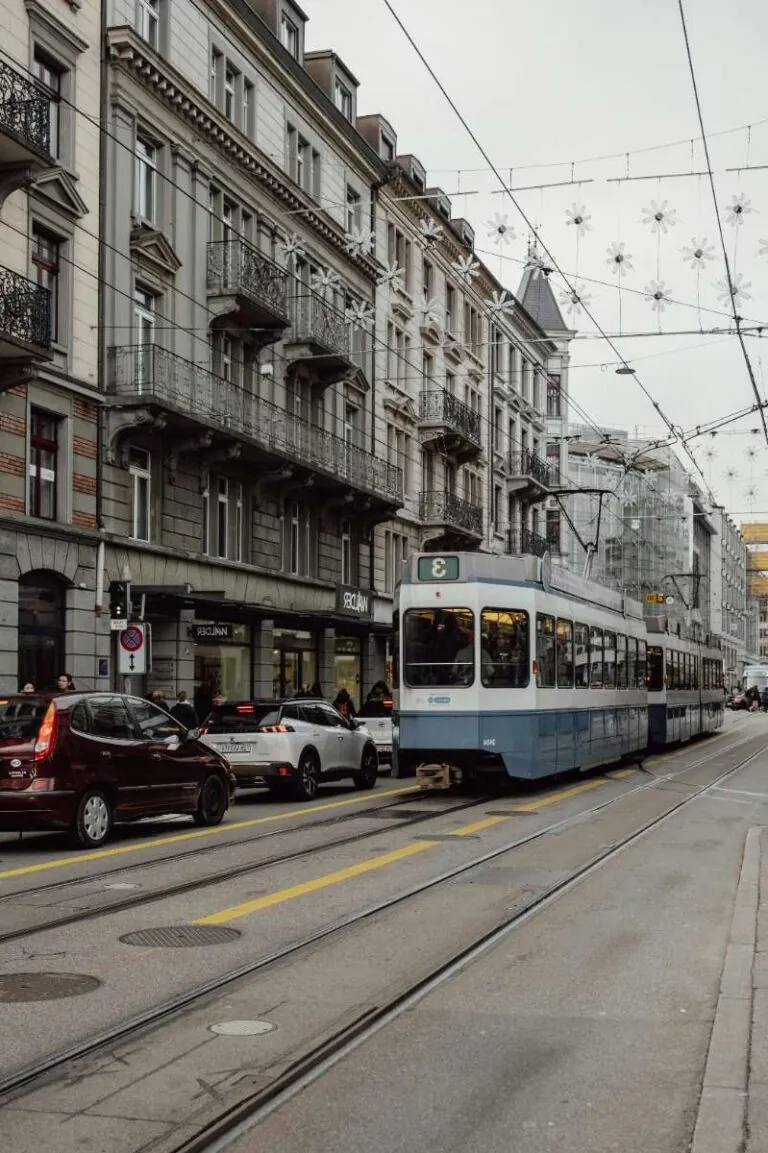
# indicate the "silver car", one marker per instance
pixel 376 717
pixel 291 746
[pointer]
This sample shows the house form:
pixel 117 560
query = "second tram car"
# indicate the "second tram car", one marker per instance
pixel 508 666
pixel 685 687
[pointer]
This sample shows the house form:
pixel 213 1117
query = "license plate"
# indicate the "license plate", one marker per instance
pixel 225 749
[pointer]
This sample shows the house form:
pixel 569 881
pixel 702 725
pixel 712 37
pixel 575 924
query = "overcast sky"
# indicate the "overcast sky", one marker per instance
pixel 555 82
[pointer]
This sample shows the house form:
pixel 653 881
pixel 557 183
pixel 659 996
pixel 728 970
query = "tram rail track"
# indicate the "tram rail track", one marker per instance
pixel 216 1135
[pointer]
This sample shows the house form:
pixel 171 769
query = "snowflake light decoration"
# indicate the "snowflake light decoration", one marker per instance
pixel 325 281
pixel 735 295
pixel 430 231
pixel 578 216
pixel 361 315
pixel 619 259
pixel 657 295
pixel 739 207
pixel 430 311
pixel 500 232
pixel 660 217
pixel 575 301
pixel 467 268
pixel 500 304
pixel 763 249
pixel 698 254
pixel 731 474
pixel 391 274
pixel 710 454
pixel 536 265
pixel 358 241
pixel 751 452
pixel 751 492
pixel 292 246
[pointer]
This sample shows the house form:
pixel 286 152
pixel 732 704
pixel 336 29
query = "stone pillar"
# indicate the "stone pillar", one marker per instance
pixel 326 663
pixel 9 629
pixel 263 647
pixel 373 663
pixel 173 657
pixel 81 644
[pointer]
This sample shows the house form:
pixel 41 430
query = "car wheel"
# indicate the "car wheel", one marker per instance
pixel 212 803
pixel 93 820
pixel 369 770
pixel 307 779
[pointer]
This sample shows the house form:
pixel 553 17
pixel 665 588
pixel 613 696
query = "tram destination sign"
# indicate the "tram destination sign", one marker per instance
pixel 438 568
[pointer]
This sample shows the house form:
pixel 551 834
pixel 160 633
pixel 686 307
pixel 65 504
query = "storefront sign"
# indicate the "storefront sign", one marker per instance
pixel 354 602
pixel 214 632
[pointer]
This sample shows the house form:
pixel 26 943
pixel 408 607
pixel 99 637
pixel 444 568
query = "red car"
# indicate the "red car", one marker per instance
pixel 83 761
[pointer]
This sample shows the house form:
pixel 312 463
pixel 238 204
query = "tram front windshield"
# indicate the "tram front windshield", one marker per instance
pixel 438 647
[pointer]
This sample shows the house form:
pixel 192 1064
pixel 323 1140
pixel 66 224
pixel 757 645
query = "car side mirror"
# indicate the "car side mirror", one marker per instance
pixel 172 742
pixel 192 735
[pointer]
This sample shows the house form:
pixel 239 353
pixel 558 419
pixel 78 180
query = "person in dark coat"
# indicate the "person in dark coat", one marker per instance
pixel 344 704
pixel 184 712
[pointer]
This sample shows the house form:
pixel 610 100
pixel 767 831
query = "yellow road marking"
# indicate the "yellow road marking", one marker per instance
pixel 622 774
pixel 177 838
pixel 478 826
pixel 281 895
pixel 553 798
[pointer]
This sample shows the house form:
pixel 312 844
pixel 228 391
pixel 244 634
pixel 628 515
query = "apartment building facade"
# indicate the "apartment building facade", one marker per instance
pixel 730 608
pixel 49 237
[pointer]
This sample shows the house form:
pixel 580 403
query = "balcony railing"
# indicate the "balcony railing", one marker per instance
pixel 24 110
pixel 150 373
pixel 437 406
pixel 444 508
pixel 317 322
pixel 523 542
pixel 25 310
pixel 528 463
pixel 235 267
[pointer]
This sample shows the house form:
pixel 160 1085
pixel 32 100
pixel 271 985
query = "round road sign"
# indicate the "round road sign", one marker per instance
pixel 131 639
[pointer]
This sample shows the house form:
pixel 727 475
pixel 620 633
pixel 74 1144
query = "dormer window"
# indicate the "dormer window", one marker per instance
pixel 387 149
pixel 342 98
pixel 289 36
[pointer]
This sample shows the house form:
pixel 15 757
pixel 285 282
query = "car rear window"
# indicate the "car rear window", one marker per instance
pixel 377 709
pixel 244 717
pixel 20 719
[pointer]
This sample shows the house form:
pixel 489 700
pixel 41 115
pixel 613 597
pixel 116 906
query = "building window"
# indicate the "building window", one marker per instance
pixel 46 257
pixel 498 434
pixel 553 529
pixel 294 540
pixel 427 369
pixel 342 98
pixel 145 202
pixel 302 151
pixel 248 107
pixel 49 77
pixel 346 552
pixel 395 555
pixel 289 36
pixel 238 521
pixel 497 506
pixel 141 485
pixel 553 396
pixel 387 149
pixel 144 312
pixel 148 21
pixel 427 279
pixel 230 92
pixel 353 209
pixel 450 308
pixel 222 516
pixel 217 61
pixel 43 464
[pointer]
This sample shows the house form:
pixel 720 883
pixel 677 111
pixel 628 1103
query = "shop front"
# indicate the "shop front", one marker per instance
pixel 294 662
pixel 222 659
pixel 355 607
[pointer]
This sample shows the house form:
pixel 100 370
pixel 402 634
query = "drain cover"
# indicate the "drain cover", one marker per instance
pixel 181 936
pixel 44 986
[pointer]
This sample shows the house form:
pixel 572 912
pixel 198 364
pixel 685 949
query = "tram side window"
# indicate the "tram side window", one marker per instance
pixel 438 647
pixel 396 649
pixel 695 673
pixel 545 651
pixel 505 650
pixel 641 667
pixel 632 663
pixel 581 639
pixel 622 680
pixel 609 661
pixel 596 677
pixel 655 668
pixel 670 675
pixel 564 654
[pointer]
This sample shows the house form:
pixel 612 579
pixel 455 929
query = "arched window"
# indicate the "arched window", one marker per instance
pixel 42 628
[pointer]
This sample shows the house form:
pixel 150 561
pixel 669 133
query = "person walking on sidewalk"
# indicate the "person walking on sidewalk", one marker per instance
pixel 184 712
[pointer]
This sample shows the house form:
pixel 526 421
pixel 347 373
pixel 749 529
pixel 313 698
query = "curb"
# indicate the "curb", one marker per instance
pixel 721 1117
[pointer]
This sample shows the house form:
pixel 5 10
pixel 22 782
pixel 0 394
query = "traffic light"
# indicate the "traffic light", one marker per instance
pixel 118 600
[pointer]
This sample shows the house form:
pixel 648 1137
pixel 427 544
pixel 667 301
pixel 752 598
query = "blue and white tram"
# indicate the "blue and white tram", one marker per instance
pixel 685 686
pixel 510 666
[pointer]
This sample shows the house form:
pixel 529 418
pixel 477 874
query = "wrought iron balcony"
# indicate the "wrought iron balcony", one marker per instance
pixel 25 317
pixel 522 542
pixel 152 375
pixel 535 474
pixel 444 418
pixel 243 280
pixel 25 121
pixel 451 513
pixel 319 334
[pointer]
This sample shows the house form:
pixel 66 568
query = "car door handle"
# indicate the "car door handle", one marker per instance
pixel 157 757
pixel 105 754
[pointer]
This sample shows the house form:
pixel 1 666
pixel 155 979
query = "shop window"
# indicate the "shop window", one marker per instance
pixel 43 464
pixel 42 619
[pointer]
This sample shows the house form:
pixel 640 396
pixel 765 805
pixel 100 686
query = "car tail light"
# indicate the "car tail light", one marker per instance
pixel 276 729
pixel 284 771
pixel 203 730
pixel 244 709
pixel 42 785
pixel 47 735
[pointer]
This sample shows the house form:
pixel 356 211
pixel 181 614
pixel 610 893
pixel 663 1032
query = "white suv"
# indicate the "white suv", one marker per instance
pixel 376 717
pixel 290 746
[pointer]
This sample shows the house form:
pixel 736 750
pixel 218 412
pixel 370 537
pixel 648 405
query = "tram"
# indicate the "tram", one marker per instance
pixel 685 686
pixel 509 666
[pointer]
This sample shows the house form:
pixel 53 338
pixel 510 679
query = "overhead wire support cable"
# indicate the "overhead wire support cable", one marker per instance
pixel 729 278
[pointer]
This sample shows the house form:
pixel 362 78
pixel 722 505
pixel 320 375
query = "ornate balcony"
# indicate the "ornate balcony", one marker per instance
pixel 523 542
pixel 25 326
pixel 449 518
pixel 246 285
pixel 319 337
pixel 451 427
pixel 531 478
pixel 25 130
pixel 147 377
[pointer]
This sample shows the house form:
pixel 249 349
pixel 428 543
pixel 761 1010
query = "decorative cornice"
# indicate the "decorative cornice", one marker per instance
pixel 129 53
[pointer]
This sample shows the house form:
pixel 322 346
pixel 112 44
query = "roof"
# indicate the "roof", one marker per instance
pixel 537 298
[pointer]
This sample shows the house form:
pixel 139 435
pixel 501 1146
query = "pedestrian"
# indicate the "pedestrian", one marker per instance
pixel 28 687
pixel 184 712
pixel 344 704
pixel 317 692
pixel 157 697
pixel 65 684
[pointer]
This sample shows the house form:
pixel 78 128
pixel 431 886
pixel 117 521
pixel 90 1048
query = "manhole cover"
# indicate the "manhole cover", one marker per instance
pixel 242 1028
pixel 181 936
pixel 44 986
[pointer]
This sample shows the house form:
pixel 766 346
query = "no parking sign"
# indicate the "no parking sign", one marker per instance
pixel 132 649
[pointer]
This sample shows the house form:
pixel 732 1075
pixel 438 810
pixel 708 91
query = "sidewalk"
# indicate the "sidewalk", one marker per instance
pixel 757 1100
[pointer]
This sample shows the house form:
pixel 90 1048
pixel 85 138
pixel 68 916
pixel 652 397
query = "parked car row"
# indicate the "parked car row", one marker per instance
pixel 85 761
